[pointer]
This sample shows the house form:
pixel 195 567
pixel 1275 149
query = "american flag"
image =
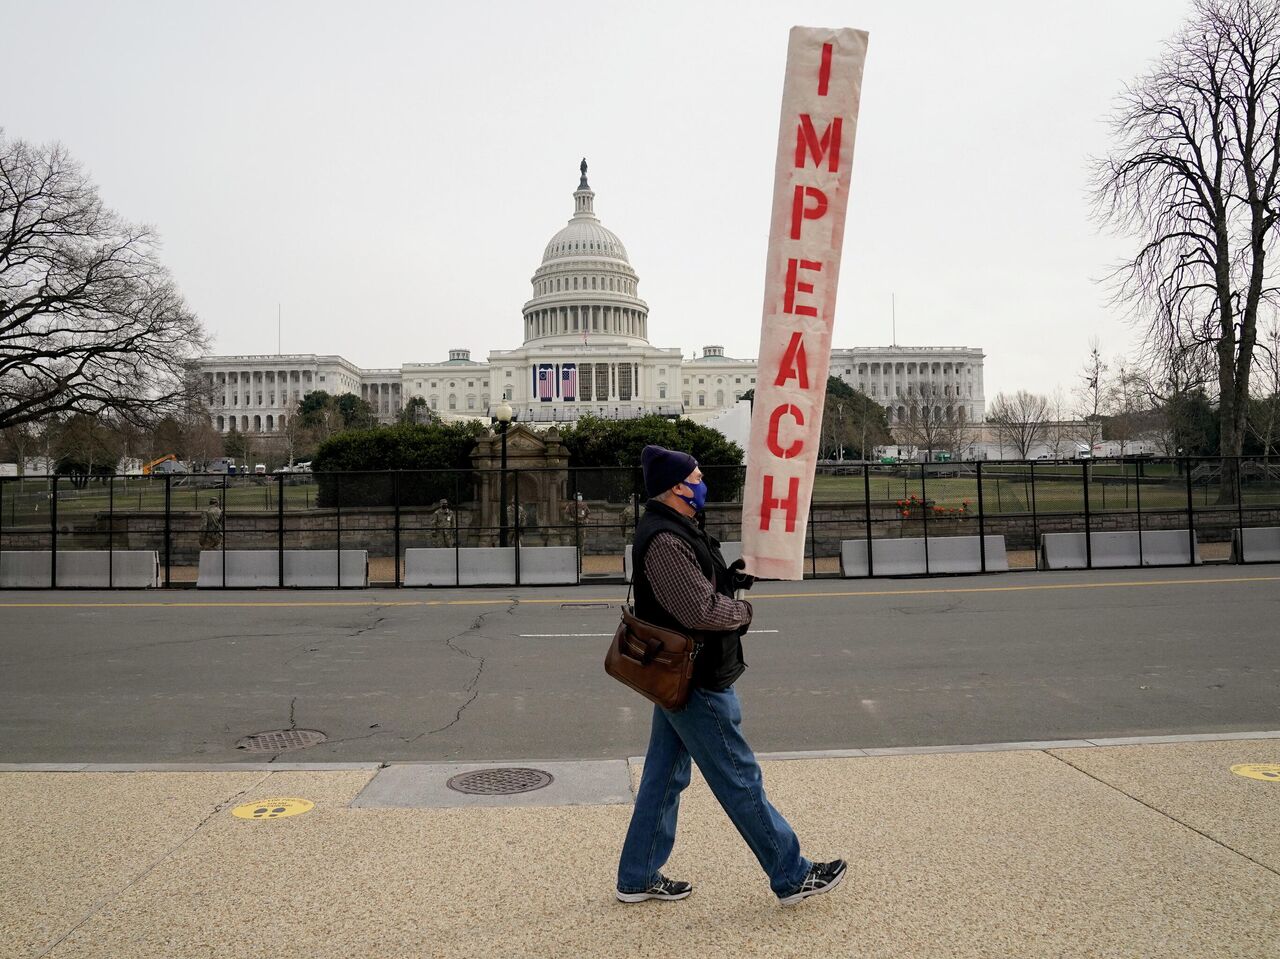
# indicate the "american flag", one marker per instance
pixel 569 381
pixel 546 383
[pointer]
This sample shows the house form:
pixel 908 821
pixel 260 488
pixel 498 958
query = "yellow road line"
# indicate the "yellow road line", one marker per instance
pixel 504 601
pixel 1019 589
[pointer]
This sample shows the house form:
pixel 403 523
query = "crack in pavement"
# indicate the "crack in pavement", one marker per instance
pixel 378 619
pixel 98 906
pixel 293 724
pixel 472 686
pixel 357 631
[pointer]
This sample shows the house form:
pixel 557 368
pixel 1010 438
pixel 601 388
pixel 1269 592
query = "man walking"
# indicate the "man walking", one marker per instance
pixel 681 582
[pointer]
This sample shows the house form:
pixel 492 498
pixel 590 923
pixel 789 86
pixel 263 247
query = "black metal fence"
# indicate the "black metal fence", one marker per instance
pixel 182 516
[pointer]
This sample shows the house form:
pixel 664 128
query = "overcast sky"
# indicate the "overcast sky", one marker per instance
pixel 389 173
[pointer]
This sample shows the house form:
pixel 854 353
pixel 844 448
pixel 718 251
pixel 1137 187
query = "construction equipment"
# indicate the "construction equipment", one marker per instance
pixel 150 467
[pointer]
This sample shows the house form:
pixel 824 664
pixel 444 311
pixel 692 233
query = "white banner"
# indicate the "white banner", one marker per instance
pixel 810 195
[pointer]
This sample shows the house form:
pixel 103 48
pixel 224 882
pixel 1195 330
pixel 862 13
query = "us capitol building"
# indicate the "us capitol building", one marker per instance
pixel 586 350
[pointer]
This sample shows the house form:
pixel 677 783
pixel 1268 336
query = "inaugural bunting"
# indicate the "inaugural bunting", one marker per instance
pixel 810 194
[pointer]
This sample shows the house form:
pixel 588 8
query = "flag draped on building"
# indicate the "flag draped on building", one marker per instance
pixel 546 382
pixel 569 381
pixel 820 97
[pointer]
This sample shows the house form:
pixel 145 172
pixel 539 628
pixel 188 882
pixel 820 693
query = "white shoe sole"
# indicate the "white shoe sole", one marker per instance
pixel 792 900
pixel 642 896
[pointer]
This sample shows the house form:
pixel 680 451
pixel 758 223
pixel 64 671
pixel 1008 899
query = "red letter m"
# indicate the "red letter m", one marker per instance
pixel 807 142
pixel 791 504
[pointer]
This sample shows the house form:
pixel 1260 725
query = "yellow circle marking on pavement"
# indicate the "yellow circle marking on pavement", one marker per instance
pixel 273 808
pixel 1266 772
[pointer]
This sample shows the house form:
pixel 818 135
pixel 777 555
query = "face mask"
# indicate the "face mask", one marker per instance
pixel 699 498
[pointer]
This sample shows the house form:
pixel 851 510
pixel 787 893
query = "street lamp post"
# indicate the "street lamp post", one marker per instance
pixel 503 414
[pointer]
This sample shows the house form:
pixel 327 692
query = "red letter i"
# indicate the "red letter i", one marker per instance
pixel 824 72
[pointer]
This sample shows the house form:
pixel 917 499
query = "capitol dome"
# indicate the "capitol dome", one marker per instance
pixel 584 237
pixel 586 289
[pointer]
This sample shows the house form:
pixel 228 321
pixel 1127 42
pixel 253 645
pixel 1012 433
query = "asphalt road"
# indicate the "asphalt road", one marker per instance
pixel 479 675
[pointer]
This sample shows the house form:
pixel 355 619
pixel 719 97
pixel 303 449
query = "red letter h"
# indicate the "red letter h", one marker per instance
pixel 791 504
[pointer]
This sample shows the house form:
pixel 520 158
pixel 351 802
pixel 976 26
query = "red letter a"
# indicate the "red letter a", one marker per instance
pixel 794 363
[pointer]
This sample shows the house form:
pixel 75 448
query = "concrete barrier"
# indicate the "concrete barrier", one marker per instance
pixel 487 566
pixel 435 566
pixel 1261 545
pixel 1169 547
pixel 491 566
pixel 254 568
pixel 548 565
pixel 468 566
pixel 1063 551
pixel 962 554
pixel 909 557
pixel 731 551
pixel 1119 548
pixel 893 557
pixel 85 569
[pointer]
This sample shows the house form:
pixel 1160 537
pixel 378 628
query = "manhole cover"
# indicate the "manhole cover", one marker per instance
pixel 500 782
pixel 278 740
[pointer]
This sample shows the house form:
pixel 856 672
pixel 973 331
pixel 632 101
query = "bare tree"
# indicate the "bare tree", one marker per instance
pixel 1127 414
pixel 20 442
pixel 1059 432
pixel 1021 420
pixel 1090 397
pixel 90 321
pixel 925 424
pixel 960 435
pixel 297 435
pixel 1264 418
pixel 202 442
pixel 1194 179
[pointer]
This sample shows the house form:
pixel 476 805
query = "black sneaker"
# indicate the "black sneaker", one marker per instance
pixel 823 877
pixel 662 888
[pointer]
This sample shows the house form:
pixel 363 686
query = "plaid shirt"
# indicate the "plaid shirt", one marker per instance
pixel 684 591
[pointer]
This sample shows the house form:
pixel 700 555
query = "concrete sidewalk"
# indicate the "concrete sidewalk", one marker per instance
pixel 1142 850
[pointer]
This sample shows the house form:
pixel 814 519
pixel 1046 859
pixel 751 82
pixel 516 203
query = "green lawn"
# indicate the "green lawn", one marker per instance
pixel 26 502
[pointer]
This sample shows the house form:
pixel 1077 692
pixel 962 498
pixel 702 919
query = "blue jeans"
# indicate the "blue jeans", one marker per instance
pixel 708 729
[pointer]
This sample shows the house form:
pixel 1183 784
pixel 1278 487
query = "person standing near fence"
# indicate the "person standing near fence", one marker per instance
pixel 442 524
pixel 681 582
pixel 211 525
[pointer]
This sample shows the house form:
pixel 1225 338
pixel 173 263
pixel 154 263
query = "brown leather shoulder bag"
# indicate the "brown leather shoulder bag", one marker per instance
pixel 654 661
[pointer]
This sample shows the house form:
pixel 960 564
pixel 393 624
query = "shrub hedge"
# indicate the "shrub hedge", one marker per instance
pixel 423 451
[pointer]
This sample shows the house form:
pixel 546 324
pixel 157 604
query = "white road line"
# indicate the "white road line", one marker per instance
pixel 753 632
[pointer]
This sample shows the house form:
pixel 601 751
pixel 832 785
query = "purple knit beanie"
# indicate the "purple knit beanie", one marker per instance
pixel 664 468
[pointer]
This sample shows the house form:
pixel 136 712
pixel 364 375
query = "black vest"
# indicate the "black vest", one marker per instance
pixel 720 661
